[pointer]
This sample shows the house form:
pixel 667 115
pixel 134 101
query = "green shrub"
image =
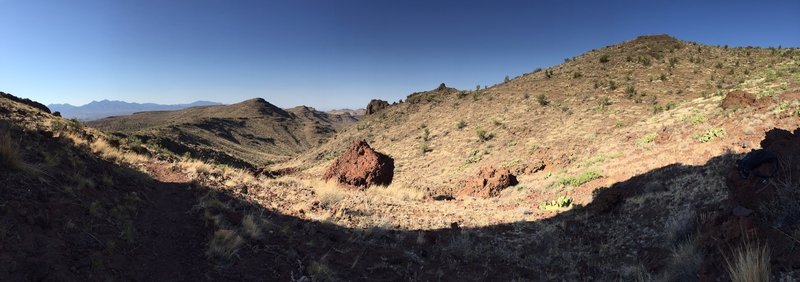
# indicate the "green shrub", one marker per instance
pixel 560 203
pixel 612 85
pixel 473 157
pixel 576 74
pixel 711 134
pixel 542 100
pixel 580 179
pixel 604 58
pixel 483 135
pixel 461 124
pixel 603 102
pixel 649 138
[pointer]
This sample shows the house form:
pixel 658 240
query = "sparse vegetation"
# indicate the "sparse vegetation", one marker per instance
pixel 711 134
pixel 750 262
pixel 224 244
pixel 649 138
pixel 604 58
pixel 542 100
pixel 560 203
pixel 483 136
pixel 461 124
pixel 580 179
pixel 9 157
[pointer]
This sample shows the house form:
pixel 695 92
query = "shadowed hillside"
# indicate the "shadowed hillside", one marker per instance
pixel 247 134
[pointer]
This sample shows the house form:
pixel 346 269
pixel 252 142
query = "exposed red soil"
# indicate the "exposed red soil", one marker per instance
pixel 740 99
pixel 488 183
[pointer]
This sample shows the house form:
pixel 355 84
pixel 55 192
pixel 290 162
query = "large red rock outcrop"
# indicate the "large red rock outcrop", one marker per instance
pixel 488 183
pixel 361 166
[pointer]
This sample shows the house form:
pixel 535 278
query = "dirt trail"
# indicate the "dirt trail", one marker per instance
pixel 176 238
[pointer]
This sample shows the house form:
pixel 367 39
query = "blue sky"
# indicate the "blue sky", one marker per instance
pixel 334 54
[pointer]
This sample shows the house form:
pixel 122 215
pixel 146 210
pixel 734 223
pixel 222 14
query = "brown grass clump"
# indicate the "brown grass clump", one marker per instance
pixel 251 226
pixel 750 263
pixel 9 157
pixel 225 244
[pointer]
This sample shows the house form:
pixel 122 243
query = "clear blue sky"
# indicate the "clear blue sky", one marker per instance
pixel 333 54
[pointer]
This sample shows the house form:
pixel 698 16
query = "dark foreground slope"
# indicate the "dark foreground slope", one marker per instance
pixel 248 134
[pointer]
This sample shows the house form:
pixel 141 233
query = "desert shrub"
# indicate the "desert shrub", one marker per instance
pixel 461 94
pixel 649 138
pixel 711 134
pixel 662 77
pixel 750 262
pixel 474 156
pixel 461 124
pixel 576 74
pixel 224 244
pixel 320 271
pixel 251 226
pixel 657 108
pixel 9 157
pixel 604 58
pixel 612 85
pixel 425 148
pixel 542 100
pixel 560 203
pixel 630 90
pixel 426 134
pixel 483 135
pixel 718 65
pixel 671 105
pixel 580 179
pixel 673 62
pixel 603 102
pixel 506 79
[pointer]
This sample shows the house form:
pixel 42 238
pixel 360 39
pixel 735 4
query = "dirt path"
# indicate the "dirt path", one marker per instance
pixel 175 238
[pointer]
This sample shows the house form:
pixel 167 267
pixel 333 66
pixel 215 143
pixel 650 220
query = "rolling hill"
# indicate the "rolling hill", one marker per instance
pixel 247 134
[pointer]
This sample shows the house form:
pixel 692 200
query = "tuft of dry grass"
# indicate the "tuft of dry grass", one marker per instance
pixel 224 244
pixel 328 193
pixel 397 191
pixel 9 156
pixel 750 263
pixel 251 227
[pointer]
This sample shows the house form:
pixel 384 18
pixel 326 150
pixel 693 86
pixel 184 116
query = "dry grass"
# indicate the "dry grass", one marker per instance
pixel 225 244
pixel 750 263
pixel 251 227
pixel 328 193
pixel 9 157
pixel 397 191
pixel 197 167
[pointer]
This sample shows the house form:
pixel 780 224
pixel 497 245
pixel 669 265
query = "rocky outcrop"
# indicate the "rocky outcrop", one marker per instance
pixel 361 166
pixel 375 106
pixel 741 99
pixel 488 183
pixel 25 101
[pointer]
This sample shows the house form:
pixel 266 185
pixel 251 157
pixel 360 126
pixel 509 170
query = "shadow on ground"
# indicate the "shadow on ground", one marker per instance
pixel 73 217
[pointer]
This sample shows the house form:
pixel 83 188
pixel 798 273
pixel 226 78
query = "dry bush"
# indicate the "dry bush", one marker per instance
pixel 750 263
pixel 9 157
pixel 224 244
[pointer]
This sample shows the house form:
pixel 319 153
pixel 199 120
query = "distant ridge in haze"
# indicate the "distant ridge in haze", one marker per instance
pixel 107 108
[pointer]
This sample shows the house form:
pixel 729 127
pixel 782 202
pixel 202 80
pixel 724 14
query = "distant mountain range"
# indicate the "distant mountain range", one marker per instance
pixel 106 108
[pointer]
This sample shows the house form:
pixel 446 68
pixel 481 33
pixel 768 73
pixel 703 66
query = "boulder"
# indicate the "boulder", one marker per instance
pixel 361 166
pixel 375 106
pixel 488 183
